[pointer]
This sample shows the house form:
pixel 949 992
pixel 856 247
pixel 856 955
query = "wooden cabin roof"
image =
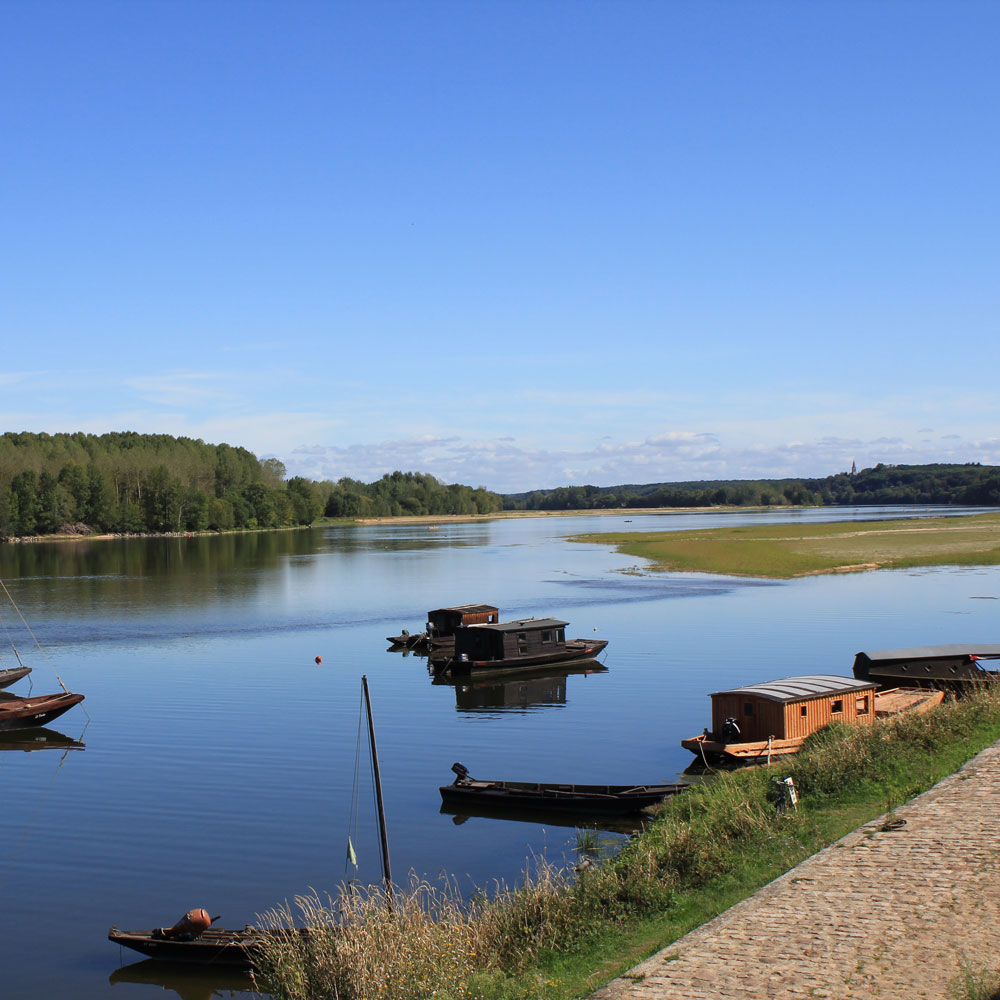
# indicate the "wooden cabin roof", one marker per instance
pixel 790 689
pixel 521 626
pixel 466 608
pixel 933 652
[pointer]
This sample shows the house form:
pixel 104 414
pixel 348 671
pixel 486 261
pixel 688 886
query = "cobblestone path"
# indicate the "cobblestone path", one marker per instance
pixel 877 914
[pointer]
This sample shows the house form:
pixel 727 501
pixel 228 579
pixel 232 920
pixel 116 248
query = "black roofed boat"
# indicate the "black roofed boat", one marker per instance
pixel 606 800
pixel 518 645
pixel 441 624
pixel 953 666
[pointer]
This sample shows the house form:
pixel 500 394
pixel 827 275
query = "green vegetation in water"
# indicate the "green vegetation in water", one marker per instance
pixel 561 934
pixel 788 550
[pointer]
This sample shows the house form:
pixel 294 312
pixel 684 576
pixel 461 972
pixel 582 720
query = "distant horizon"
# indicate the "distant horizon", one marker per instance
pixel 513 245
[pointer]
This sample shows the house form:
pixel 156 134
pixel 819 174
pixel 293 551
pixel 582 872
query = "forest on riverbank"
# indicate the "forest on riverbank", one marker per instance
pixel 129 483
pixel 970 484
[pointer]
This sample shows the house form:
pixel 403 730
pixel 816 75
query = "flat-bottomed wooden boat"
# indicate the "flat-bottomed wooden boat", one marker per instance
pixel 27 713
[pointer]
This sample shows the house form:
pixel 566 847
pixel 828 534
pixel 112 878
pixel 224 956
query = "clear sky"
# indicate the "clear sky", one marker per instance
pixel 513 244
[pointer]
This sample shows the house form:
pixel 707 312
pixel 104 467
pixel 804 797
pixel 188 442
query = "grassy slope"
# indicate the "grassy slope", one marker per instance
pixel 788 550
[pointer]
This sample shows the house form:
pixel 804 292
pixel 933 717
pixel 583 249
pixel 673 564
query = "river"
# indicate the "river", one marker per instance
pixel 219 757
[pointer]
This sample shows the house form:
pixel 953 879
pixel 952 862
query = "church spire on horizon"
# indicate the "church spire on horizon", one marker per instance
pixel 854 468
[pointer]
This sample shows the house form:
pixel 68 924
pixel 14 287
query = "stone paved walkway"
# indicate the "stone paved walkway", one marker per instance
pixel 877 914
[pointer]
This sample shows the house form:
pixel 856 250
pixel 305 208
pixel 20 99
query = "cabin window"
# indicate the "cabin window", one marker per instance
pixel 522 643
pixel 803 711
pixel 862 706
pixel 561 635
pixel 547 635
pixel 837 706
pixel 748 708
pixel 491 619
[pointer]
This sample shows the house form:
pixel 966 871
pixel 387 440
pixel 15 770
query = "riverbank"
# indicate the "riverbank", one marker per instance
pixel 783 551
pixel 562 934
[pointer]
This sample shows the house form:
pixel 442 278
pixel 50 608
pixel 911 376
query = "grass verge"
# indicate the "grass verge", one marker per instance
pixel 789 550
pixel 561 934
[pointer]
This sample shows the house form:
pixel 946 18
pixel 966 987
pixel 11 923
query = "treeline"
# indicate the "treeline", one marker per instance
pixel 401 494
pixel 129 483
pixel 970 484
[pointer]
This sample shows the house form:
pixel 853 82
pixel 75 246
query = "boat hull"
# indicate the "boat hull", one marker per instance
pixel 29 713
pixel 605 800
pixel 574 651
pixel 216 946
pixel 8 677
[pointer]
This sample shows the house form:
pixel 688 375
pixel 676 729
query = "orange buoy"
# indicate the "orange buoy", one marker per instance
pixel 193 923
pixel 319 659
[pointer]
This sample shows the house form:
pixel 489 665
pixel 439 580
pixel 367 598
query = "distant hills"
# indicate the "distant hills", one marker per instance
pixel 970 484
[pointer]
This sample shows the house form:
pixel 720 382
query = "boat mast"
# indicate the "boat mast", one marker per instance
pixel 387 873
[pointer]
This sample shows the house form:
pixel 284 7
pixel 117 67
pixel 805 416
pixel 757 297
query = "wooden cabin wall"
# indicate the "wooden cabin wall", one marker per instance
pixel 786 721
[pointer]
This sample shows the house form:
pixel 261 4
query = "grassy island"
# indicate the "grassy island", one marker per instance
pixel 789 550
pixel 563 933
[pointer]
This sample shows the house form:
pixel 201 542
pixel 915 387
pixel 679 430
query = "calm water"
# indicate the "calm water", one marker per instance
pixel 219 757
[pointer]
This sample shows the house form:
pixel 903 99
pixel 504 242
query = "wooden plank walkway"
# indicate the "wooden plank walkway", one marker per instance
pixel 877 914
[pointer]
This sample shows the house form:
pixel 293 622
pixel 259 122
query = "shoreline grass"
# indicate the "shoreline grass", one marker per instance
pixel 561 934
pixel 784 551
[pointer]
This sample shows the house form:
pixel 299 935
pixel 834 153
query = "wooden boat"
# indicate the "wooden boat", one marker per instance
pixel 27 713
pixel 232 948
pixel 513 646
pixel 607 800
pixel 763 721
pixel 14 674
pixel 441 625
pixel 949 666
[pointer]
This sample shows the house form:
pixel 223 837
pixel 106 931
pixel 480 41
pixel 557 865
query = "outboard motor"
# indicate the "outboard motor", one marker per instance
pixel 193 924
pixel 461 771
pixel 730 731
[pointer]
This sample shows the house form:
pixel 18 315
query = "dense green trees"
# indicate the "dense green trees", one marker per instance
pixel 884 484
pixel 132 483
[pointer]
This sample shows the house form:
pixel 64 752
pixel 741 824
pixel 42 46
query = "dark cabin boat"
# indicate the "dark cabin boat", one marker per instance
pixel 518 645
pixel 773 719
pixel 442 623
pixel 604 800
pixel 27 713
pixel 950 666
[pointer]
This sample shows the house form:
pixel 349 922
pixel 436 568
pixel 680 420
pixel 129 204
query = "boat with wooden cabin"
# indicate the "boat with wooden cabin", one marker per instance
pixel 952 666
pixel 604 800
pixel 439 630
pixel 761 721
pixel 513 646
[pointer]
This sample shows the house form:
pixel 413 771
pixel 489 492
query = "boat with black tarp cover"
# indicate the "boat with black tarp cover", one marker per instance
pixel 953 666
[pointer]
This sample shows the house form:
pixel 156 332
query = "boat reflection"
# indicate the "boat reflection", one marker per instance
pixel 539 817
pixel 189 982
pixel 516 693
pixel 38 739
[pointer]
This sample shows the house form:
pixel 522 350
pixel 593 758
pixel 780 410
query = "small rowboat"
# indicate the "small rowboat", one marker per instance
pixel 27 713
pixel 215 946
pixel 605 800
pixel 8 677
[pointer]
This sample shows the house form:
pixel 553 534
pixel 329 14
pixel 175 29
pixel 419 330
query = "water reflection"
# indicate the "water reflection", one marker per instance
pixel 188 982
pixel 538 817
pixel 38 739
pixel 542 689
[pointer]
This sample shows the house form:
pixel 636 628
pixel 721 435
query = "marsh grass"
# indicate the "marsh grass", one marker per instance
pixel 557 934
pixel 788 550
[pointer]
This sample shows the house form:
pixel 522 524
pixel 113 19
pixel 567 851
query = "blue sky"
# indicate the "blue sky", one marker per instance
pixel 513 244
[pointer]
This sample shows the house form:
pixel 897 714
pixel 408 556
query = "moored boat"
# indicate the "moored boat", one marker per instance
pixel 514 646
pixel 606 800
pixel 12 675
pixel 952 666
pixel 40 710
pixel 441 625
pixel 214 946
pixel 763 721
